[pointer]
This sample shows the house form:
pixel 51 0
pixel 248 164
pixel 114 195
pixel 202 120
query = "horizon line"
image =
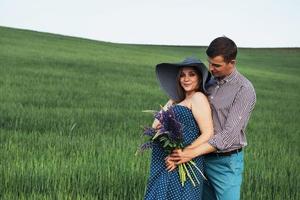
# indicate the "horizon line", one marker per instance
pixel 142 44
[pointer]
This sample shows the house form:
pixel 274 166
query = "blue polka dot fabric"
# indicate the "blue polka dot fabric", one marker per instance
pixel 164 185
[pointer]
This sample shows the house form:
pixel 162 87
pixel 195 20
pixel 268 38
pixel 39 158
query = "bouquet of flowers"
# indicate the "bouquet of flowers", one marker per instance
pixel 169 136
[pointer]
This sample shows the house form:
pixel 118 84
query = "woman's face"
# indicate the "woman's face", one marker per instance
pixel 189 79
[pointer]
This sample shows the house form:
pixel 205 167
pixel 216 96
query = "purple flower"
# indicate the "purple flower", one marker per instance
pixel 145 146
pixel 168 136
pixel 149 131
pixel 169 124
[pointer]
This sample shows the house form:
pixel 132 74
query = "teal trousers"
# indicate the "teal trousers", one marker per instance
pixel 224 174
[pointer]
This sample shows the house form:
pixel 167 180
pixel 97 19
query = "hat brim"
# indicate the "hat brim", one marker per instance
pixel 166 74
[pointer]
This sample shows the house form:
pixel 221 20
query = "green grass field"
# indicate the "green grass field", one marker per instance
pixel 70 117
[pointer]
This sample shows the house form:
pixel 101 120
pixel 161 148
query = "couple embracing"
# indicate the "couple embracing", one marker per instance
pixel 214 107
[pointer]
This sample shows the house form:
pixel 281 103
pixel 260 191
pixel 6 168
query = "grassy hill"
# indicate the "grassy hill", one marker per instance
pixel 70 117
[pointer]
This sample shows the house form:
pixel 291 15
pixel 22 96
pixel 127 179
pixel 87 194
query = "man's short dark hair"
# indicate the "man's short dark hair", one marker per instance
pixel 222 46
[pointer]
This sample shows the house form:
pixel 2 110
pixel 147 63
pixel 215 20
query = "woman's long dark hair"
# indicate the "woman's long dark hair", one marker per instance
pixel 180 90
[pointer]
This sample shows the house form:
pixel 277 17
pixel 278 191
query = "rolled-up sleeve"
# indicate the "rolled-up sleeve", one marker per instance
pixel 237 119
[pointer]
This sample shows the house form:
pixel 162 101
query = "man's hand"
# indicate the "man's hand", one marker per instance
pixel 182 156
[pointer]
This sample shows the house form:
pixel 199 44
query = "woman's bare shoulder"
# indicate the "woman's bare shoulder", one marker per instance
pixel 199 99
pixel 198 96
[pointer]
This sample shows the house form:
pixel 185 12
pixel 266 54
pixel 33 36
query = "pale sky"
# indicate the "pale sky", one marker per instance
pixel 251 23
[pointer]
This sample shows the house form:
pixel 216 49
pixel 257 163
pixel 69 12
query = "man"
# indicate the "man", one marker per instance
pixel 232 99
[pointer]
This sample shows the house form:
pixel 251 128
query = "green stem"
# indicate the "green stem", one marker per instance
pixel 193 163
pixel 189 165
pixel 188 174
pixel 181 174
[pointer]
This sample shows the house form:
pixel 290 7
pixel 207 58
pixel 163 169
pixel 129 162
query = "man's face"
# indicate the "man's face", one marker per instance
pixel 219 68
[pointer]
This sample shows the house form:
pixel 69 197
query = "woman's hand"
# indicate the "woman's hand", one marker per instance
pixel 158 126
pixel 171 165
pixel 182 156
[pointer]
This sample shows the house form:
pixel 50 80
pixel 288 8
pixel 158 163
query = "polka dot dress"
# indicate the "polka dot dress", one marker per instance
pixel 164 185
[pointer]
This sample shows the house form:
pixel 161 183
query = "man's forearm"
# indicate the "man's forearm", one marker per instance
pixel 203 149
pixel 199 141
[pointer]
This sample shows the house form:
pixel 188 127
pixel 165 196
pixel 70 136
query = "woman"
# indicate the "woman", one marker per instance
pixel 185 84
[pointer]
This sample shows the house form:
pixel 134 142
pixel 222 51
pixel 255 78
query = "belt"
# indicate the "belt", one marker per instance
pixel 229 153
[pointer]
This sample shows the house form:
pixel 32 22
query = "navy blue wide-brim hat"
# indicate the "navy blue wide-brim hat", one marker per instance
pixel 167 73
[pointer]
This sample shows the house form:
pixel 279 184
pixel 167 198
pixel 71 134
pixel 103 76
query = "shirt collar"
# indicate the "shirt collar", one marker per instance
pixel 228 78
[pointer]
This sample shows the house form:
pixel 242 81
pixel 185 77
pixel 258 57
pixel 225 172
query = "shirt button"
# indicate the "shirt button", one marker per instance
pixel 217 86
pixel 211 97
